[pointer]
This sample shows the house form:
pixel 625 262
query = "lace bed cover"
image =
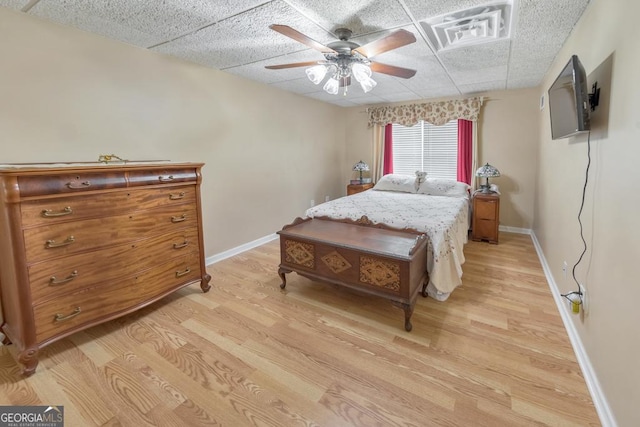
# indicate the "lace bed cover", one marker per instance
pixel 444 219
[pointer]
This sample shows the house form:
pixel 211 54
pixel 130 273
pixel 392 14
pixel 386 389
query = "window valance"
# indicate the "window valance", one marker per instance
pixel 437 113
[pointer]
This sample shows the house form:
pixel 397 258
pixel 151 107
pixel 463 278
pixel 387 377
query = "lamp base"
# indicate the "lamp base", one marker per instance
pixel 484 188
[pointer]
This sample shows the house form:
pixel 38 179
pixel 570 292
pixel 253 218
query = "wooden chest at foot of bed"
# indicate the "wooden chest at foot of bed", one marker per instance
pixel 380 261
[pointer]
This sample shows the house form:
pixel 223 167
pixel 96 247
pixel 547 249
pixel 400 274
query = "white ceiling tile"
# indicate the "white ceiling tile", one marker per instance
pixel 523 83
pixel 14 4
pixel 235 37
pixel 257 70
pixel 361 17
pixel 468 89
pixel 303 86
pixel 428 9
pixel 398 96
pixel 245 38
pixel 142 22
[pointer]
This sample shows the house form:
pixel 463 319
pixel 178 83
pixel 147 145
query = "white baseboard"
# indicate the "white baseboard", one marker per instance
pixel 514 229
pixel 239 249
pixel 597 395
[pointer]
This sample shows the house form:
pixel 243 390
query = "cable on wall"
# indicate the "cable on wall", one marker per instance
pixel 576 296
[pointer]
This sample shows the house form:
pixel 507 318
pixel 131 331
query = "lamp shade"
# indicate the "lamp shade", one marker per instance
pixel 332 86
pixel 487 171
pixel 361 166
pixel 316 73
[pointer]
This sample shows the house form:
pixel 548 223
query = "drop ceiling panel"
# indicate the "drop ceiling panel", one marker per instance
pixel 14 4
pixel 490 62
pixel 472 88
pixel 141 22
pixel 245 38
pixel 257 71
pixel 361 17
pixel 301 85
pixel 422 10
pixel 235 37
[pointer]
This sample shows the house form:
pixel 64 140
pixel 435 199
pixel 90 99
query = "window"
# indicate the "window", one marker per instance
pixel 426 147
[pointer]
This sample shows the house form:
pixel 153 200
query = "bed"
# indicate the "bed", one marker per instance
pixel 437 207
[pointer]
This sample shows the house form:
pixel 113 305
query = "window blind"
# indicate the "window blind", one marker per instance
pixel 426 147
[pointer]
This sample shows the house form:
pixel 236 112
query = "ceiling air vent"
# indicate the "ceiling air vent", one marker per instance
pixel 481 24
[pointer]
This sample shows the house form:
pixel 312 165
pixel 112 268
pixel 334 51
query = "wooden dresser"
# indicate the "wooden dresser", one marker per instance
pixel 86 243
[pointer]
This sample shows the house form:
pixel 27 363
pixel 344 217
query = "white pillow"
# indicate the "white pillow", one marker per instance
pixel 396 182
pixel 444 187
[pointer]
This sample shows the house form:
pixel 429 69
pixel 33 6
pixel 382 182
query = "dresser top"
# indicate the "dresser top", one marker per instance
pixel 62 166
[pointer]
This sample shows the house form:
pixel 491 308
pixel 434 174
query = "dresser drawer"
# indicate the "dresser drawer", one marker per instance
pixel 51 211
pixel 67 238
pixel 88 305
pixel 50 279
pixel 486 209
pixel 38 185
pixel 162 176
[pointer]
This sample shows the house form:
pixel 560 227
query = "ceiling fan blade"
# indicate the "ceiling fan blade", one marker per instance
pixel 392 70
pixel 298 36
pixel 392 41
pixel 292 65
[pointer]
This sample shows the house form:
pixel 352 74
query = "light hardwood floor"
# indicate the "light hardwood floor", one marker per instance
pixel 247 353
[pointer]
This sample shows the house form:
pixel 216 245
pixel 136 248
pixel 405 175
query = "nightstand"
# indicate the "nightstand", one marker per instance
pixel 486 217
pixel 358 188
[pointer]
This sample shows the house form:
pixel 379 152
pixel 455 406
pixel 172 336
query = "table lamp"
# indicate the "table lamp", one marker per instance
pixel 487 171
pixel 361 167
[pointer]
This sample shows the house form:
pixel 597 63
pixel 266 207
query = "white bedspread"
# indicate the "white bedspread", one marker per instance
pixel 445 220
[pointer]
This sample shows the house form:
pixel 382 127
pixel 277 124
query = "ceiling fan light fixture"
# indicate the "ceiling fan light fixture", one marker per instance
pixel 316 73
pixel 360 71
pixel 332 86
pixel 345 59
pixel 367 84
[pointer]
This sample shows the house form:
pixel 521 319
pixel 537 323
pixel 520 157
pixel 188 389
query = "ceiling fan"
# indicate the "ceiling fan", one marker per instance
pixel 344 58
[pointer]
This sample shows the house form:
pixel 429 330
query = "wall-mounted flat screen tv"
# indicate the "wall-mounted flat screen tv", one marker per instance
pixel 569 101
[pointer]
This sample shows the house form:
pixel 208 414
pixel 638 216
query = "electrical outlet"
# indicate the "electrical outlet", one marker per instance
pixel 312 203
pixel 583 291
pixel 565 267
pixel 326 198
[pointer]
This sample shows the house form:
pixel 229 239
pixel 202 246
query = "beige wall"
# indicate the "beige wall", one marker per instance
pixel 67 95
pixel 605 37
pixel 507 138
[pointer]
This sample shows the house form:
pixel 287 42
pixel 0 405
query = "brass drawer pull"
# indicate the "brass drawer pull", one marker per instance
pixel 180 245
pixel 52 243
pixel 176 196
pixel 165 179
pixel 183 272
pixel 47 213
pixel 75 186
pixel 53 281
pixel 61 317
pixel 180 218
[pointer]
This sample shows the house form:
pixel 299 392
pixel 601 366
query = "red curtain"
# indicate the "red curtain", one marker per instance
pixel 387 163
pixel 465 150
